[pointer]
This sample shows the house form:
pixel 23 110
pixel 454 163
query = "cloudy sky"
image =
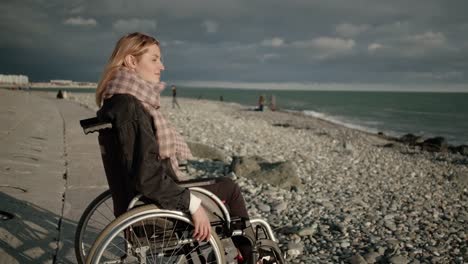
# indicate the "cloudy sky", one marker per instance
pixel 302 43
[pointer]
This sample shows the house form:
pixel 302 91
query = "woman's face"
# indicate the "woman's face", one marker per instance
pixel 149 65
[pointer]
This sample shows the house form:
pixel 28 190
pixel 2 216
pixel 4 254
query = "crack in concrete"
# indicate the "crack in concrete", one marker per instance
pixel 65 178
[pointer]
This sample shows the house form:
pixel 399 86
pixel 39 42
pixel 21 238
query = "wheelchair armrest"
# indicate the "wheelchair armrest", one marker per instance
pixel 91 125
pixel 197 182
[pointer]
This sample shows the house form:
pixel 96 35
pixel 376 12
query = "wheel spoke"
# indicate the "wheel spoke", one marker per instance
pixel 167 237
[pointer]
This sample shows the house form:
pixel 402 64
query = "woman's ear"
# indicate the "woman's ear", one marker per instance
pixel 130 61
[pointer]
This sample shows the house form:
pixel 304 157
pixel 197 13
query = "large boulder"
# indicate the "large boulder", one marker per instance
pixel 279 174
pixel 410 139
pixel 203 151
pixel 462 149
pixel 435 144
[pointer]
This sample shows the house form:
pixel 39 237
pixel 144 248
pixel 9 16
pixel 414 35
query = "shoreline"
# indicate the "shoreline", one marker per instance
pixel 389 134
pixel 416 141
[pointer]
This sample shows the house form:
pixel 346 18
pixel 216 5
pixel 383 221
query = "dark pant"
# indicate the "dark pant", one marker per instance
pixel 230 193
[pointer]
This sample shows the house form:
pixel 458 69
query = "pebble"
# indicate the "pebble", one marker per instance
pixel 372 257
pixel 264 207
pixel 281 206
pixel 308 231
pixel 357 259
pixel 345 244
pixel 390 225
pixel 295 249
pixel 398 260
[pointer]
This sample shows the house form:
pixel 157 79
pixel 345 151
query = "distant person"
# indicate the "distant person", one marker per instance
pixel 221 98
pixel 261 103
pixel 273 103
pixel 60 94
pixel 174 97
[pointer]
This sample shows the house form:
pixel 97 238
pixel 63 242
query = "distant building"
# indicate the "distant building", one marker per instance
pixel 86 84
pixel 61 82
pixel 14 79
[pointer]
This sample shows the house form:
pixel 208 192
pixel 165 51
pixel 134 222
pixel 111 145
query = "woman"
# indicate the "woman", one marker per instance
pixel 128 94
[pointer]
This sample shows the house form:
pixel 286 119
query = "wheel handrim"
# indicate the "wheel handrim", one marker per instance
pixel 166 241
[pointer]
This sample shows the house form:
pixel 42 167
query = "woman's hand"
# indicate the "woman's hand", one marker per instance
pixel 202 225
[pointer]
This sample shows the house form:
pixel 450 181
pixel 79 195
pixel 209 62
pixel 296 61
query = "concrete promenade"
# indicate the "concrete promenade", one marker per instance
pixel 49 172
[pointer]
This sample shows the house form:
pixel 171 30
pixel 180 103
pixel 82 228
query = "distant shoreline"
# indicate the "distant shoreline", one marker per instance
pixel 39 85
pixel 318 110
pixel 45 85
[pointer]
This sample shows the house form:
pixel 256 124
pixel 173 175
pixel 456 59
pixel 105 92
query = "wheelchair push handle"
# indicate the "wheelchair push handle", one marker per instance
pixel 93 124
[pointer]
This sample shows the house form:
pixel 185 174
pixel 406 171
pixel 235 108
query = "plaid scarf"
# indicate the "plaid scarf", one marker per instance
pixel 170 143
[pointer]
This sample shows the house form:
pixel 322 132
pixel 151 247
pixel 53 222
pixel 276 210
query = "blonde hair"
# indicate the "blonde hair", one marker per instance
pixel 132 44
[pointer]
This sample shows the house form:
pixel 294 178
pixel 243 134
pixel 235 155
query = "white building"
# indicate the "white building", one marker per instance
pixel 61 82
pixel 14 79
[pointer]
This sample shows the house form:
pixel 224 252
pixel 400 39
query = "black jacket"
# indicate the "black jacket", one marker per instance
pixel 131 157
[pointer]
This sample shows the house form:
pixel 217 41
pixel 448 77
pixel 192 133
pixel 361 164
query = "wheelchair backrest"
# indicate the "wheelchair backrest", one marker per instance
pixel 111 155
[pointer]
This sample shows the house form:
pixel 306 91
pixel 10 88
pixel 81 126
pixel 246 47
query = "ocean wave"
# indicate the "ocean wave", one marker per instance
pixel 366 126
pixel 417 112
pixel 370 126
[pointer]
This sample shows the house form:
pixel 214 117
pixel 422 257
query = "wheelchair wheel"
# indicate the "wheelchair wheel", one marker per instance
pixel 95 218
pixel 150 235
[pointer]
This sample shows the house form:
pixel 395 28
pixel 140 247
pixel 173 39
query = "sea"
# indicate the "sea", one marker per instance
pixel 426 114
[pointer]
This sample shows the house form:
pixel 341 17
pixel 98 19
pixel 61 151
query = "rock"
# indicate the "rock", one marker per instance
pixel 381 250
pixel 279 174
pixel 398 260
pixel 357 259
pixel 264 208
pixel 410 139
pixel 308 231
pixel 203 151
pixel 295 249
pixel 338 227
pixel 393 243
pixel 462 149
pixel 436 144
pixel 295 238
pixel 345 244
pixel 372 257
pixel 390 225
pixel 348 146
pixel 244 166
pixel 280 206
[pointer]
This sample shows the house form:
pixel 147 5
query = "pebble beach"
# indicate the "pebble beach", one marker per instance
pixel 362 199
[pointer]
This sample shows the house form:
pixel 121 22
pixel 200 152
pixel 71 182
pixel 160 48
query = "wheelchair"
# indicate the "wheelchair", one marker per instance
pixel 146 233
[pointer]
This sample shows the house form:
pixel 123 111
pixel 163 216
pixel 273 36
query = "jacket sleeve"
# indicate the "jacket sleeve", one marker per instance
pixel 150 174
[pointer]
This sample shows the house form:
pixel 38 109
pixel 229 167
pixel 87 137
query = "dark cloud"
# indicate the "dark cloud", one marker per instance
pixel 339 41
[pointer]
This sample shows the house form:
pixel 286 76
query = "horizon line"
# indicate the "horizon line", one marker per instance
pixel 301 86
pixel 298 86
